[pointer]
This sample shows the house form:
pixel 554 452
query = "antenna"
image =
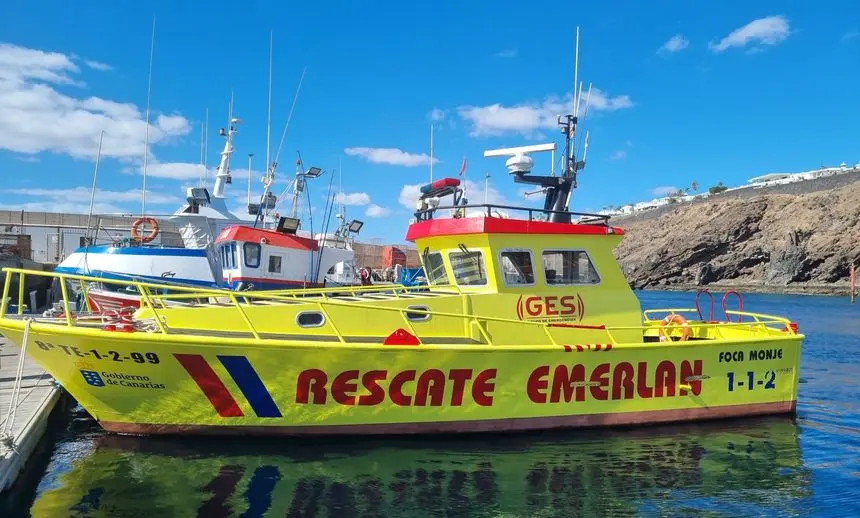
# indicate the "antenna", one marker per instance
pixel 289 118
pixel 585 112
pixel 342 214
pixel 146 139
pixel 93 192
pixel 206 148
pixel 520 150
pixel 578 95
pixel 576 72
pixel 269 116
pixel 230 110
pixel 250 157
pixel 202 151
pixel 431 151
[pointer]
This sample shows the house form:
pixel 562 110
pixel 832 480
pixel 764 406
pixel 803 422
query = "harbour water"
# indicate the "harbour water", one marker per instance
pixel 808 465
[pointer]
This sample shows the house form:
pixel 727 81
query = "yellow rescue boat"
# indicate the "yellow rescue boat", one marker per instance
pixel 527 322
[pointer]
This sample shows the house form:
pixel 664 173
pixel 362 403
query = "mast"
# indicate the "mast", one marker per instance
pixel 269 116
pixel 146 138
pixel 557 189
pixel 93 191
pixel 297 190
pixel 222 174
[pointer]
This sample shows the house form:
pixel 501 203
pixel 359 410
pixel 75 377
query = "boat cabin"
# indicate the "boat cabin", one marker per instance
pixel 262 259
pixel 534 269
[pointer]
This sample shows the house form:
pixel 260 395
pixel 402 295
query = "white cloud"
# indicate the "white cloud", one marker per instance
pixel 850 35
pixel 35 117
pixel 409 195
pixel 375 211
pixel 82 195
pixel 97 65
pixel 529 118
pixel 507 53
pixel 76 200
pixel 353 198
pixel 390 156
pixel 437 115
pixel 676 43
pixel 600 101
pixel 64 207
pixel 178 170
pixel 764 31
pixel 22 64
pixel 618 155
pixel 664 190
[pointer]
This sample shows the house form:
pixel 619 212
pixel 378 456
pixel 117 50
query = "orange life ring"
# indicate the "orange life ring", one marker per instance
pixel 676 320
pixel 149 236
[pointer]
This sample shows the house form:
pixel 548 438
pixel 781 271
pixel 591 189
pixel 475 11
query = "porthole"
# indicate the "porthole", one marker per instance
pixel 418 317
pixel 310 319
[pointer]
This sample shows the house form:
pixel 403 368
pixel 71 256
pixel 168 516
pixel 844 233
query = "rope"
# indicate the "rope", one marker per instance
pixel 7 432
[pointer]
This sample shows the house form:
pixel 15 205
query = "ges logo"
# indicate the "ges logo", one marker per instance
pixel 92 378
pixel 567 307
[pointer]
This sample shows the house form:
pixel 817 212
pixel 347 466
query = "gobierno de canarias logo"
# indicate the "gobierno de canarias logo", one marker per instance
pixel 550 308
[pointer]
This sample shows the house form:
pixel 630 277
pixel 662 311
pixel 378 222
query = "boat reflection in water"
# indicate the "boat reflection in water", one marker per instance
pixel 740 468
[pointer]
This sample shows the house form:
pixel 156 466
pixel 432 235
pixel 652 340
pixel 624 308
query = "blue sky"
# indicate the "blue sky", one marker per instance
pixel 684 91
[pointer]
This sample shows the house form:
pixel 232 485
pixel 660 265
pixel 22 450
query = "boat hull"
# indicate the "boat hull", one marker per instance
pixel 144 383
pixel 102 300
pixel 512 424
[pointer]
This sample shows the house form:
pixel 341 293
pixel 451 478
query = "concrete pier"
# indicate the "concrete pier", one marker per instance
pixel 37 398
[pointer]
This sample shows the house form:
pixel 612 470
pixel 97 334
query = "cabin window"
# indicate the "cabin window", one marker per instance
pixel 252 254
pixel 418 317
pixel 226 259
pixel 310 319
pixel 274 264
pixel 517 267
pixel 468 268
pixel 233 262
pixel 569 267
pixel 435 269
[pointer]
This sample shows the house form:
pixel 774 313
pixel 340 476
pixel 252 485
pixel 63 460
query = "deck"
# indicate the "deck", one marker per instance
pixel 36 400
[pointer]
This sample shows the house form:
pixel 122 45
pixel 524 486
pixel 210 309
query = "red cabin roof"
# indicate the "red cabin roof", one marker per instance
pixel 256 235
pixel 489 225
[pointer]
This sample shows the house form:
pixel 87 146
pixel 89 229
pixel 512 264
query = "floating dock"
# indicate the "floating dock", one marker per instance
pixel 37 396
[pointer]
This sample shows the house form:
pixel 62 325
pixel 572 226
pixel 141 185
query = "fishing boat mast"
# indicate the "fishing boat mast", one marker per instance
pixel 222 174
pixel 557 189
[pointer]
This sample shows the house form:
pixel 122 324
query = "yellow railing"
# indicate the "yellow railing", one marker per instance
pixel 322 299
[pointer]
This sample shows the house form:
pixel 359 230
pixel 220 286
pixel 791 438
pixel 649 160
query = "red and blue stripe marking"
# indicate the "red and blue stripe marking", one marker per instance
pixel 243 374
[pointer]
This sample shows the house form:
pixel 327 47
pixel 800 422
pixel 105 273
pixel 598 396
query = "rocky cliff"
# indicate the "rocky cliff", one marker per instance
pixel 770 242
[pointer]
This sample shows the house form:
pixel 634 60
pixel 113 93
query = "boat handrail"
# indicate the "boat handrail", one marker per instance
pixel 149 299
pixel 757 317
pixel 602 219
